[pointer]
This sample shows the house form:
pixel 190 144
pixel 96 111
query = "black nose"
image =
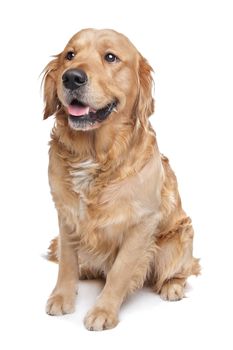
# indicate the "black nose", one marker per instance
pixel 74 78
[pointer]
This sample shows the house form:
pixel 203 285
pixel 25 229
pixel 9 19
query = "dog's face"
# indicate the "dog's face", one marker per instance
pixel 99 75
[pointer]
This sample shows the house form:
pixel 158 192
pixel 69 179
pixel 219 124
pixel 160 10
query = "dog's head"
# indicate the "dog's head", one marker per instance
pixel 98 76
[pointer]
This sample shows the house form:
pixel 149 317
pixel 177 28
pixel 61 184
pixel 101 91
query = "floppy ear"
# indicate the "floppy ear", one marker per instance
pixel 145 102
pixel 50 92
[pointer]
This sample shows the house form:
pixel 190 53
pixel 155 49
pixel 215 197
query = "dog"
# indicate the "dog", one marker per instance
pixel 119 211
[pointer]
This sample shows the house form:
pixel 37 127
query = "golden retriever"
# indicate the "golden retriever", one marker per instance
pixel 119 210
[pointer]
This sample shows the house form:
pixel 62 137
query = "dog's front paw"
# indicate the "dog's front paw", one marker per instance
pixel 60 304
pixel 99 319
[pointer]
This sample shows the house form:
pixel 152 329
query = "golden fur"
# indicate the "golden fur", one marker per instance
pixel 119 210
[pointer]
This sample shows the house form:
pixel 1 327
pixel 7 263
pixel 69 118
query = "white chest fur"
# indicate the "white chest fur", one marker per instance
pixel 82 174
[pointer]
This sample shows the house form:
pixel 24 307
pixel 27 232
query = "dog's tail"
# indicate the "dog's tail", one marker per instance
pixel 52 254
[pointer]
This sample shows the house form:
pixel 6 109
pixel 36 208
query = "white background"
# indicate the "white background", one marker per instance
pixel 189 44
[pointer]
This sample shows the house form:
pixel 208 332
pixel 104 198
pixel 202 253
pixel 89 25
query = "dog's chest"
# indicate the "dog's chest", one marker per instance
pixel 96 198
pixel 82 175
pixel 108 203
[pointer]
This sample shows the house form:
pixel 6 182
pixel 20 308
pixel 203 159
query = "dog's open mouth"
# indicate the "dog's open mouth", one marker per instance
pixel 83 117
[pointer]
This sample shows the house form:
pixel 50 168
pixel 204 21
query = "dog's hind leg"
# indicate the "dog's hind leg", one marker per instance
pixel 174 260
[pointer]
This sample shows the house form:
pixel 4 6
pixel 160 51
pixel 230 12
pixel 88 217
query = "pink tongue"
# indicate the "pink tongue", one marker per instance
pixel 77 111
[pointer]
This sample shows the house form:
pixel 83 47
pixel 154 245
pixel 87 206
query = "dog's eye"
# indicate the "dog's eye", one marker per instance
pixel 70 55
pixel 110 57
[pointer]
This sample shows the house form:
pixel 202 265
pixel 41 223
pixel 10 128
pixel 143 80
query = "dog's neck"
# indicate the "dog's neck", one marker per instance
pixel 109 144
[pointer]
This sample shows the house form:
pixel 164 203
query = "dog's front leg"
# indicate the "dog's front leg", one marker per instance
pixel 62 299
pixel 127 274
